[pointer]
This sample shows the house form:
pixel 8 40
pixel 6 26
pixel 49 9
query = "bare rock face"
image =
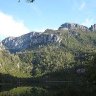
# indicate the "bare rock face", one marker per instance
pixel 45 38
pixel 70 26
pixel 16 44
pixel 93 27
pixel 1 46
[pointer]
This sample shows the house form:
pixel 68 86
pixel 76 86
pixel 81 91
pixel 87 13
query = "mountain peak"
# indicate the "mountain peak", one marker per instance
pixel 67 26
pixel 93 27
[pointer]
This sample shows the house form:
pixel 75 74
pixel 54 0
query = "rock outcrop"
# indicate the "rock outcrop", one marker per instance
pixel 15 44
pixel 71 26
pixel 93 27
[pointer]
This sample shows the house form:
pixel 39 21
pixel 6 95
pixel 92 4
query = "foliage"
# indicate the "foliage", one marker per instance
pixel 11 64
pixel 76 47
pixel 31 1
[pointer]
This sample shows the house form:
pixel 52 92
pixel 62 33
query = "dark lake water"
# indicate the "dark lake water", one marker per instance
pixel 46 90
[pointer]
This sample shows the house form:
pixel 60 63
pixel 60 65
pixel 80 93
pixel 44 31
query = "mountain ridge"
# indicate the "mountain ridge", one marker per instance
pixel 68 26
pixel 35 54
pixel 29 40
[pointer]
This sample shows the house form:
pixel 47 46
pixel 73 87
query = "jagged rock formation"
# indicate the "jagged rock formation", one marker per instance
pixel 71 26
pixel 45 38
pixel 18 43
pixel 93 27
pixel 29 40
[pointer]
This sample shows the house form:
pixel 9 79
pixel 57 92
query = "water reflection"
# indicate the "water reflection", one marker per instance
pixel 46 90
pixel 25 91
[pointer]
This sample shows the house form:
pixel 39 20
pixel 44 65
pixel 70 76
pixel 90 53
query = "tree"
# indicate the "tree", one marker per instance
pixel 31 1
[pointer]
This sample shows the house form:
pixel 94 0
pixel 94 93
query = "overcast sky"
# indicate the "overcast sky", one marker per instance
pixel 20 18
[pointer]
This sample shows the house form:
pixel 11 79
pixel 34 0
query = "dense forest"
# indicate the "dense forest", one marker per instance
pixel 75 53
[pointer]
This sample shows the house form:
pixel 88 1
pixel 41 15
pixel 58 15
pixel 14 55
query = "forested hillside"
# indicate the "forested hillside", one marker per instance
pixel 11 64
pixel 53 53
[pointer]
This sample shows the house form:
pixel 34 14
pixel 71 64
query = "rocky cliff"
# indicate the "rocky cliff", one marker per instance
pixel 72 26
pixel 23 42
pixel 93 27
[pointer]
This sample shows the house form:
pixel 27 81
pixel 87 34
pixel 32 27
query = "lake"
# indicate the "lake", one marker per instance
pixel 62 89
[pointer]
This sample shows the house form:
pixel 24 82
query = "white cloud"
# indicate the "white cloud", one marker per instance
pixel 82 6
pixel 11 27
pixel 88 22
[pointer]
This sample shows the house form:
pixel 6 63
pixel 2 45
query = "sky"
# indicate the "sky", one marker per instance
pixel 20 18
